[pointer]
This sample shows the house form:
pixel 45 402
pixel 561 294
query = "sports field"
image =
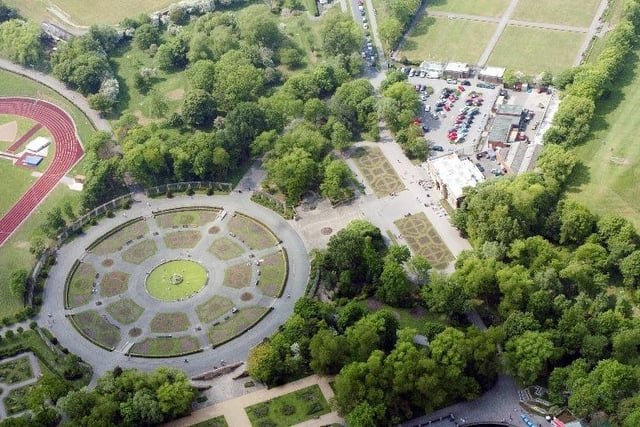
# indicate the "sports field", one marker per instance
pixel 475 7
pixel 533 50
pixel 576 13
pixel 445 39
pixel 83 12
pixel 608 181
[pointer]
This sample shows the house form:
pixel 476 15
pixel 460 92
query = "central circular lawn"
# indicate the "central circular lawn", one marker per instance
pixel 162 282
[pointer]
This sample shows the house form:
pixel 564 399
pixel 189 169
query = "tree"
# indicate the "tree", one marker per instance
pixel 20 42
pixel 339 34
pixel 146 35
pixel 390 31
pixel 54 222
pixel 157 104
pixel 446 296
pixel 556 163
pixel 420 267
pixel 7 12
pixel 81 63
pixel 626 344
pixel 329 352
pixel 198 108
pixel 141 409
pixel 577 222
pixel 100 102
pixel 353 102
pixel 365 415
pixel 509 78
pixel 528 356
pixel 340 136
pixel 18 282
pixel 237 80
pixel 374 331
pixel 201 75
pixel 175 396
pixel 399 106
pixel 630 269
pixel 172 55
pixel 337 180
pixel 293 173
pixel 571 122
pixel 395 288
pixel 108 37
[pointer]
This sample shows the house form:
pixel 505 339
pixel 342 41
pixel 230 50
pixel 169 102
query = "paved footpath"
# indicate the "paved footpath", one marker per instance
pixel 234 413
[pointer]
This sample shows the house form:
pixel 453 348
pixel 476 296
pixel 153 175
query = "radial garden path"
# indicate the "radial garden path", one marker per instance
pixel 56 312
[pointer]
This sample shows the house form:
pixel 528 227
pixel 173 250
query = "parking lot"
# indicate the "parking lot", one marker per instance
pixel 439 129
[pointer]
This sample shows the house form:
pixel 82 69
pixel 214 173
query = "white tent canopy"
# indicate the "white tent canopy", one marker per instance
pixel 38 144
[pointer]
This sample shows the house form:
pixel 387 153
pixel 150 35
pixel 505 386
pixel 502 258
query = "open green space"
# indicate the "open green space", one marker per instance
pixel 238 276
pixel 117 240
pixel 219 421
pixel 166 346
pixel 82 12
pixel 213 308
pixel 251 232
pixel 534 50
pixel 273 269
pixel 193 218
pixel 16 180
pixel 289 409
pixel 423 239
pixel 169 322
pixel 16 371
pixel 416 317
pixel 475 7
pixel 305 34
pixel 16 400
pixel 114 283
pixel 125 311
pixel 176 279
pixel 607 179
pixel 442 39
pixel 576 13
pixel 186 239
pixel 225 249
pixel 14 254
pixel 235 324
pixel 80 287
pixel 377 170
pixel 140 252
pixel 92 325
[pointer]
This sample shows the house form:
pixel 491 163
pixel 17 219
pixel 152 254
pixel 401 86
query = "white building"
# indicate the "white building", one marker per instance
pixel 38 144
pixel 452 175
pixel 491 74
pixel 433 69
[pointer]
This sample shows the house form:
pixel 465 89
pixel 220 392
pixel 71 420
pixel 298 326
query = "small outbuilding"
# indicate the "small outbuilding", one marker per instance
pixel 491 74
pixel 501 129
pixel 434 70
pixel 451 175
pixel 38 144
pixel 457 70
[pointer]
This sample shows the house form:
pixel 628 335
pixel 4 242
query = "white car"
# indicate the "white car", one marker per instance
pixel 427 108
pixel 365 26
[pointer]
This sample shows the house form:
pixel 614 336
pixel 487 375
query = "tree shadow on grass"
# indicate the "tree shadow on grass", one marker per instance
pixel 423 26
pixel 581 175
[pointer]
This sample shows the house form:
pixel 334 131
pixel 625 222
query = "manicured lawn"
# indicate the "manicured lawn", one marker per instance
pixel 533 50
pixel 225 249
pixel 139 252
pixel 218 421
pixel 272 274
pixel 114 283
pixel 608 187
pixel 475 7
pixel 377 170
pixel 82 12
pixel 16 401
pixel 576 13
pixel 125 311
pixel 81 284
pixel 289 409
pixel 408 317
pixel 423 239
pixel 187 218
pixel 16 180
pixel 22 125
pixel 14 254
pixel 169 322
pixel 251 232
pixel 175 280
pixel 165 347
pixel 213 308
pixel 235 324
pixel 98 329
pixel 445 39
pixel 117 240
pixel 16 371
pixel 187 239
pixel 238 276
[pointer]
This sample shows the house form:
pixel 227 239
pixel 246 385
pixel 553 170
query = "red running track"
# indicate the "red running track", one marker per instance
pixel 68 150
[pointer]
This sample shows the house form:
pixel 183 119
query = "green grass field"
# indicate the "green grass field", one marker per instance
pixel 533 50
pixel 576 13
pixel 177 279
pixel 213 308
pixel 607 186
pixel 187 218
pixel 225 249
pixel 251 232
pixel 80 285
pixel 219 421
pixel 447 39
pixel 82 12
pixel 475 7
pixel 289 409
pixel 272 274
pixel 16 180
pixel 235 324
pixel 22 126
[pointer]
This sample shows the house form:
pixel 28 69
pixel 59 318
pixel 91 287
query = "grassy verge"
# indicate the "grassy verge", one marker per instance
pixel 289 409
pixel 218 421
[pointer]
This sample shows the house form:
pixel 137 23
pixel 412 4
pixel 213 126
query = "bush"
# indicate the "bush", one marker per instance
pixel 314 408
pixel 169 193
pixel 209 191
pixel 33 325
pixel 10 334
pixel 109 214
pixel 288 410
pixel 54 340
pixel 267 423
pixel 261 410
pixel 190 191
pixel 20 329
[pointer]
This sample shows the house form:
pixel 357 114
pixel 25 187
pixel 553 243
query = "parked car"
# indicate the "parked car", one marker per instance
pixel 466 83
pixel 427 108
pixel 423 74
pixel 461 88
pixel 426 128
pixel 480 167
pixel 482 85
pixel 437 148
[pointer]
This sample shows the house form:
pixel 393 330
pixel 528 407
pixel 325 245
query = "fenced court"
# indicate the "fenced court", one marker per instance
pixel 377 171
pixel 424 240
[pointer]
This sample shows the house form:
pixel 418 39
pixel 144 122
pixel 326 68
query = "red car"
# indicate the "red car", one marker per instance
pixel 446 107
pixel 461 88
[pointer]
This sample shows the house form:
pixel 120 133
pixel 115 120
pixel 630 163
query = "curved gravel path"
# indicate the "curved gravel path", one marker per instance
pixel 235 350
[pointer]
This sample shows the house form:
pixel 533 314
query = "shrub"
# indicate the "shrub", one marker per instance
pixel 33 324
pixel 9 335
pixel 190 191
pixel 288 410
pixel 313 408
pixel 20 329
pixel 54 340
pixel 109 214
pixel 169 194
pixel 209 191
pixel 261 410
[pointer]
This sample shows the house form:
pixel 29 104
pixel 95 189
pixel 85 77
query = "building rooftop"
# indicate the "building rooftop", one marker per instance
pixel 455 173
pixel 457 67
pixel 509 109
pixel 501 127
pixel 432 66
pixel 497 72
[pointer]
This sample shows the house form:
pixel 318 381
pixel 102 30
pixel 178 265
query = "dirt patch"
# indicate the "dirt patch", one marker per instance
pixel 107 262
pixel 9 131
pixel 214 230
pixel 246 296
pixel 142 119
pixel 175 95
pixel 135 332
pixel 326 231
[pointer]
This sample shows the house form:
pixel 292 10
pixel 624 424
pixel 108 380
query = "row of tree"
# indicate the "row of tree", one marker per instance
pixel 397 20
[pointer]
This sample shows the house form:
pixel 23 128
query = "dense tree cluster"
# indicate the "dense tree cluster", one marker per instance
pixel 20 42
pixel 400 14
pixel 585 84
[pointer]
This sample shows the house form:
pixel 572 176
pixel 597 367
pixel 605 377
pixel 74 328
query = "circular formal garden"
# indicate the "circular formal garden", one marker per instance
pixel 166 285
